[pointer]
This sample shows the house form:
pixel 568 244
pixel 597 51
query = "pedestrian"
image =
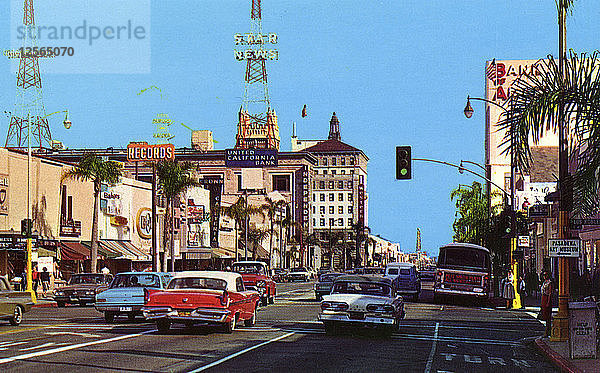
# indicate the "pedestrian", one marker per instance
pixel 35 277
pixel 546 303
pixel 508 291
pixel 521 291
pixel 45 279
pixel 535 283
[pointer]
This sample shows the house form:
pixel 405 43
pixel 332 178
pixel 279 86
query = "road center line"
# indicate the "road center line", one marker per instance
pixel 226 358
pixel 433 346
pixel 71 347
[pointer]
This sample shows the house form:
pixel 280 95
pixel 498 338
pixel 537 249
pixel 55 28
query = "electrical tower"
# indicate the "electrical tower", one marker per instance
pixel 29 105
pixel 257 121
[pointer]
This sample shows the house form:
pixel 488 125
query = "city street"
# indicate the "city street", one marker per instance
pixel 432 338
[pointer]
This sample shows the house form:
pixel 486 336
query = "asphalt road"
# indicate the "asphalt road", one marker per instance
pixel 287 337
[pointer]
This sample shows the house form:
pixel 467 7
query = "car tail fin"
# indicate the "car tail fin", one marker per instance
pixel 224 298
pixel 148 293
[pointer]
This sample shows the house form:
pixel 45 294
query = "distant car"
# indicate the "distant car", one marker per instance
pixel 322 270
pixel 325 283
pixel 427 274
pixel 377 271
pixel 13 304
pixel 82 288
pixel 299 274
pixel 279 275
pixel 202 297
pixel 125 296
pixel 362 301
pixel 405 278
pixel 256 277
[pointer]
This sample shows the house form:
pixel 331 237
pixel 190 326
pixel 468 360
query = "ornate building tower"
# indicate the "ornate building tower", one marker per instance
pixel 29 105
pixel 257 121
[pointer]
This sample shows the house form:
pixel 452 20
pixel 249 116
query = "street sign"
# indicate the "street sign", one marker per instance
pixel 579 223
pixel 523 241
pixel 539 211
pixel 563 248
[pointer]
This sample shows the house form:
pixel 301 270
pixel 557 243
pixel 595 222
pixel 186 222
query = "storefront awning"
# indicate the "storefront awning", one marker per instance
pixel 197 253
pixel 590 235
pixel 72 250
pixel 221 253
pixel 118 249
pixel 141 255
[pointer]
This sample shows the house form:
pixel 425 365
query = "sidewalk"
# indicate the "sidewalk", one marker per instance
pixel 558 354
pixel 46 301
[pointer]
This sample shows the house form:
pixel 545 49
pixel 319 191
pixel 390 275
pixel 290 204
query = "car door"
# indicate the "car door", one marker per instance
pixel 5 306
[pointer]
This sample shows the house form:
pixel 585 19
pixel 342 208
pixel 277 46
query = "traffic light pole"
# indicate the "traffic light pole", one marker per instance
pixel 29 228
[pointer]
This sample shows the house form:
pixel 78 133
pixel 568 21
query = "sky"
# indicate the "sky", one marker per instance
pixel 394 72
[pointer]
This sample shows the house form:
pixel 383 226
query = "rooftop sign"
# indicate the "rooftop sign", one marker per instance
pixel 142 151
pixel 250 157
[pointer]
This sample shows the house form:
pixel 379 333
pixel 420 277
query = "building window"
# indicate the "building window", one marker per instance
pixel 331 209
pixel 351 160
pixel 340 209
pixel 333 172
pixel 324 172
pixel 350 222
pixel 314 197
pixel 239 182
pixel 322 198
pixel 341 196
pixel 343 172
pixel 324 161
pixel 331 222
pixel 350 184
pixel 352 172
pixel 350 197
pixel 314 185
pixel 321 185
pixel 333 161
pixel 314 210
pixel 350 209
pixel 331 197
pixel 314 222
pixel 281 183
pixel 340 185
pixel 322 209
pixel 343 161
pixel 322 222
pixel 331 184
pixel 341 222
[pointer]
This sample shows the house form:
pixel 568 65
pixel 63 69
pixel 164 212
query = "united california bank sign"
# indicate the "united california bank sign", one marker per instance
pixel 250 157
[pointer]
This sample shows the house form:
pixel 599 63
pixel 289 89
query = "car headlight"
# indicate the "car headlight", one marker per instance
pixel 58 292
pixel 90 292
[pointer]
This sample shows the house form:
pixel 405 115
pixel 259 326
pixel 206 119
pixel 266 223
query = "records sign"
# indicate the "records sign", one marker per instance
pixel 3 194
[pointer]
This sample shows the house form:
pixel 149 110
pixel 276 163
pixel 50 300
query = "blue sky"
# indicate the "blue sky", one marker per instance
pixel 395 73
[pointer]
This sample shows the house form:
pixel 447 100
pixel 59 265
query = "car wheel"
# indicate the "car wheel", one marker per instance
pixel 17 316
pixel 109 316
pixel 229 327
pixel 131 316
pixel 60 304
pixel 319 297
pixel 251 321
pixel 330 328
pixel 163 325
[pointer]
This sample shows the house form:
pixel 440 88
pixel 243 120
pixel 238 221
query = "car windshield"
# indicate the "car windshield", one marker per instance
pixel 86 279
pixel 393 271
pixel 373 270
pixel 405 272
pixel 464 257
pixel 130 280
pixel 356 287
pixel 249 268
pixel 198 283
pixel 328 277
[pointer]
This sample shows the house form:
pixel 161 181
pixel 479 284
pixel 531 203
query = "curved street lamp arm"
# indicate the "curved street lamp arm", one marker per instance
pixel 462 168
pixel 473 163
pixel 488 101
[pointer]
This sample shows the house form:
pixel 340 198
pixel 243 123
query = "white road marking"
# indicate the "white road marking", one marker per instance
pixel 8 344
pixel 36 347
pixel 433 346
pixel 71 347
pixel 88 335
pixel 226 358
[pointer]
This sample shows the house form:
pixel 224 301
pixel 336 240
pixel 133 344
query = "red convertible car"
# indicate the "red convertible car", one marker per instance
pixel 202 297
pixel 256 277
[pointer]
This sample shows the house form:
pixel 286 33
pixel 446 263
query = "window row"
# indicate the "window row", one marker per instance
pixel 332 222
pixel 332 184
pixel 340 209
pixel 334 161
pixel 334 172
pixel 331 197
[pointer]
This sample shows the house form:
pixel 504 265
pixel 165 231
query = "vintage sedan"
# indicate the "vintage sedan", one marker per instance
pixel 13 304
pixel 359 300
pixel 82 288
pixel 125 296
pixel 299 274
pixel 325 283
pixel 202 297
pixel 256 277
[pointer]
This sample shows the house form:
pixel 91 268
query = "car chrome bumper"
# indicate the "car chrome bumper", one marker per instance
pixel 197 315
pixel 368 320
pixel 460 292
pixel 76 299
pixel 118 307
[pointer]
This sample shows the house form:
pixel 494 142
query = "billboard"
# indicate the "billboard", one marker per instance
pixel 250 158
pixel 142 151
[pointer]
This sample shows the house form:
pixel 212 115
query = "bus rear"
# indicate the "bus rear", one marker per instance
pixel 463 270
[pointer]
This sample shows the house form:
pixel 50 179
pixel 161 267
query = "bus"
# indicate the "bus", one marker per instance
pixel 463 269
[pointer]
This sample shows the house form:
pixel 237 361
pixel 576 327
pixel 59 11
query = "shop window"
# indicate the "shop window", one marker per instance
pixel 281 183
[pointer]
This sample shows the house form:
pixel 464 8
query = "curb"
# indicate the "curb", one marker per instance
pixel 45 305
pixel 559 361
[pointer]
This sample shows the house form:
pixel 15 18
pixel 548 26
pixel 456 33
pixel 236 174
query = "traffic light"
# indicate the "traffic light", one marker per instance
pixel 403 163
pixel 26 227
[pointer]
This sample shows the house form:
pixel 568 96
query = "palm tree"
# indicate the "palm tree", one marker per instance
pixel 173 178
pixel 240 211
pixel 333 239
pixel 255 238
pixel 271 208
pixel 309 241
pixel 93 168
pixel 472 219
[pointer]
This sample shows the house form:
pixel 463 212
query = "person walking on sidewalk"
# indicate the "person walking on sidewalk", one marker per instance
pixel 45 279
pixel 546 304
pixel 508 291
pixel 521 291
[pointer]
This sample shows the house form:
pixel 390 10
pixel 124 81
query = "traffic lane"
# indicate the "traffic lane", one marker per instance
pixel 289 289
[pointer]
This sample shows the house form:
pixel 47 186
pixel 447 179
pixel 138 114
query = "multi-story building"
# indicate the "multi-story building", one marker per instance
pixel 339 197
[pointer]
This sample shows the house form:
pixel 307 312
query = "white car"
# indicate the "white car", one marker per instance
pixel 299 274
pixel 363 301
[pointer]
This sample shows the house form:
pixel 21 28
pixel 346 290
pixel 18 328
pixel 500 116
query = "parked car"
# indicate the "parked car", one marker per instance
pixel 325 283
pixel 279 275
pixel 206 297
pixel 405 278
pixel 299 274
pixel 377 271
pixel 256 277
pixel 82 288
pixel 428 274
pixel 362 301
pixel 13 304
pixel 322 270
pixel 125 296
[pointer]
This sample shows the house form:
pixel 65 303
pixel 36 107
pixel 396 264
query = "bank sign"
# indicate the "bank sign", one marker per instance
pixel 566 248
pixel 250 157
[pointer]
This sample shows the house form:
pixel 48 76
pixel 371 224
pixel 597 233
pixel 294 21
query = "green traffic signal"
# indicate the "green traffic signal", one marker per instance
pixel 403 162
